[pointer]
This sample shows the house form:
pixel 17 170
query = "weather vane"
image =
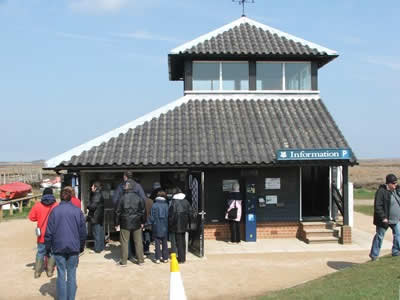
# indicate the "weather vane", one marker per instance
pixel 242 3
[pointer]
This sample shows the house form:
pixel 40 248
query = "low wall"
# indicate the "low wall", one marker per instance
pixel 265 230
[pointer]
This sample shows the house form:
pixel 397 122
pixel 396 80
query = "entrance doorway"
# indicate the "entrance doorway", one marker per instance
pixel 315 192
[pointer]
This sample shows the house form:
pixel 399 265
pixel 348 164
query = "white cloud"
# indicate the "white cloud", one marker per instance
pixel 98 6
pixel 390 62
pixel 81 37
pixel 144 35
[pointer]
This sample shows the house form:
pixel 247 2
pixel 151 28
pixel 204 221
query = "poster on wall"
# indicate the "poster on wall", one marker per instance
pixel 272 183
pixel 227 184
pixel 271 199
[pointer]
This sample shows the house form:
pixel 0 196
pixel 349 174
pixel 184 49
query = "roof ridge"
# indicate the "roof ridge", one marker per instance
pixel 243 20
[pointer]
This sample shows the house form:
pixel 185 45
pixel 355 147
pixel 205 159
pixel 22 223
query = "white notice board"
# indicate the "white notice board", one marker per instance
pixel 271 199
pixel 272 183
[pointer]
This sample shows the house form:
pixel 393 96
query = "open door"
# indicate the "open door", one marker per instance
pixel 196 193
pixel 315 193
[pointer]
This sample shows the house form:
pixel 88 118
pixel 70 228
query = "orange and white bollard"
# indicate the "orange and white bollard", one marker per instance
pixel 176 289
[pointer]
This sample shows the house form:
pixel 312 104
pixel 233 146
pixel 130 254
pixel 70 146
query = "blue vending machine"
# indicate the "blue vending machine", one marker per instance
pixel 250 213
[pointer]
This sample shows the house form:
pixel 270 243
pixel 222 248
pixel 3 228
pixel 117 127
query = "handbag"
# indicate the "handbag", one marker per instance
pixel 38 232
pixel 232 213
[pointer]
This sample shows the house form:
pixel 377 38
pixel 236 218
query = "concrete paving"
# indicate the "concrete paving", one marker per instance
pixel 228 271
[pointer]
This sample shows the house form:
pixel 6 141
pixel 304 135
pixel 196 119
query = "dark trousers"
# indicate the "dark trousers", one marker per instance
pixel 235 231
pixel 98 235
pixel 164 247
pixel 181 246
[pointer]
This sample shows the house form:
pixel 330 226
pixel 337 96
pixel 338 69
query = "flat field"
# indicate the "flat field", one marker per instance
pixel 370 173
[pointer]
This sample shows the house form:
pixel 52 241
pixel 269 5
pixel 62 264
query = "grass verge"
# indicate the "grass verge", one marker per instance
pixel 365 209
pixel 371 280
pixel 17 214
pixel 364 194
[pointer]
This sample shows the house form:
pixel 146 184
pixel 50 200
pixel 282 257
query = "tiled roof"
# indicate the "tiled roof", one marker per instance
pixel 248 37
pixel 225 130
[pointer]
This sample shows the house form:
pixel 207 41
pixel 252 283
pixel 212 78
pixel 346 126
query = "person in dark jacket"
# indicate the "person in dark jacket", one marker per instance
pixel 119 191
pixel 234 203
pixel 65 237
pixel 40 213
pixel 129 218
pixel 179 217
pixel 96 216
pixel 158 220
pixel 386 214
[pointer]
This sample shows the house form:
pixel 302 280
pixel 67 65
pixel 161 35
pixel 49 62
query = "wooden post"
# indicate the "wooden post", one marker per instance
pixel 20 206
pixel 1 213
pixel 11 209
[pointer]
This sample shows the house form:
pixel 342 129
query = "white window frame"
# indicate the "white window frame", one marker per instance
pixel 220 62
pixel 284 73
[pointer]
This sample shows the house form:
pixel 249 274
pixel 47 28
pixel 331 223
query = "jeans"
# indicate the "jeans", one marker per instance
pixel 378 239
pixel 98 235
pixel 164 247
pixel 41 251
pixel 146 240
pixel 66 275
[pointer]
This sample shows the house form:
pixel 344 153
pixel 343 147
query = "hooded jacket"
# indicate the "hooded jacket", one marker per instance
pixel 159 218
pixel 66 230
pixel 179 214
pixel 382 206
pixel 130 211
pixel 40 213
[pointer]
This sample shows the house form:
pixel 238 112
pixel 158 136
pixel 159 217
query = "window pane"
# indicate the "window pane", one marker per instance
pixel 298 76
pixel 269 76
pixel 205 76
pixel 235 76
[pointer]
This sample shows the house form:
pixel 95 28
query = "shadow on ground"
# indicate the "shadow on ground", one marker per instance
pixel 49 288
pixel 339 265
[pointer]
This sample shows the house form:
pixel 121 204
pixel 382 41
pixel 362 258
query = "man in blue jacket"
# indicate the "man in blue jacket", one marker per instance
pixel 65 237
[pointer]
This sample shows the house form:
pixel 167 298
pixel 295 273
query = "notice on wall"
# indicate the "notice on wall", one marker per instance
pixel 272 183
pixel 271 199
pixel 227 184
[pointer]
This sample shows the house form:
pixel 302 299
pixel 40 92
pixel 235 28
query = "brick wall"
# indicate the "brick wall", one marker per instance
pixel 345 235
pixel 265 230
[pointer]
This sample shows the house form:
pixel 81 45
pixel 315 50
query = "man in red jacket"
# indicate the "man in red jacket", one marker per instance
pixel 40 214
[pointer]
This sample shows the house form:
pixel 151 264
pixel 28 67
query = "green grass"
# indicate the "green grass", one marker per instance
pixel 363 194
pixel 371 280
pixel 17 214
pixel 365 209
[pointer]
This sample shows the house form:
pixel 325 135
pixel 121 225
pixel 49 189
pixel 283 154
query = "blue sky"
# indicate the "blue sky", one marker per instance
pixel 71 70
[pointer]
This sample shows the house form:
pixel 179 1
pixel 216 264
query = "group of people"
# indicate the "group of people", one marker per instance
pixel 141 219
pixel 62 233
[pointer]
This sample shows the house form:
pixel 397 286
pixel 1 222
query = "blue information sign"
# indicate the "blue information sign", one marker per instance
pixel 313 154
